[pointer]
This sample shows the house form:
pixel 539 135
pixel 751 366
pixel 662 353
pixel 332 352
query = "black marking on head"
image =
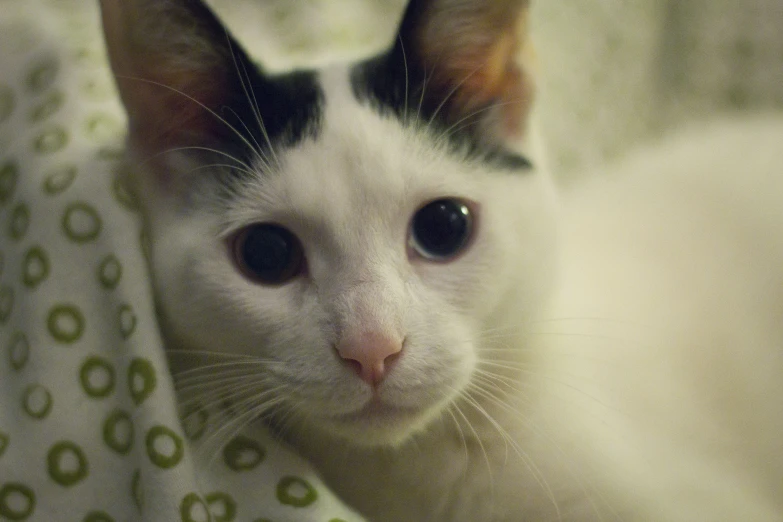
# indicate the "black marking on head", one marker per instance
pixel 456 91
pixel 381 83
pixel 269 111
pixel 290 107
pixel 187 83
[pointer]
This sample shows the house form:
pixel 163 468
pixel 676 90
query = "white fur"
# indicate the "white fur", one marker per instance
pixel 635 333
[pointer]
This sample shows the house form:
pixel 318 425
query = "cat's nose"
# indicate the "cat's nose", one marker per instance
pixel 370 354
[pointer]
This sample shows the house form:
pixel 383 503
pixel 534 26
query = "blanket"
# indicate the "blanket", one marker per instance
pixel 90 430
pixel 89 425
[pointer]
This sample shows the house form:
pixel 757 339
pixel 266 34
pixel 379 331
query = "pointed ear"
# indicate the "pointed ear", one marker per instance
pixel 186 82
pixel 468 61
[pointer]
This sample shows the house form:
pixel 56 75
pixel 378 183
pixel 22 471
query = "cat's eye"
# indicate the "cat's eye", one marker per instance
pixel 441 229
pixel 268 254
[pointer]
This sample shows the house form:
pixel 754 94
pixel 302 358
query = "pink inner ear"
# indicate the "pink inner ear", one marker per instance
pixel 170 108
pixel 482 70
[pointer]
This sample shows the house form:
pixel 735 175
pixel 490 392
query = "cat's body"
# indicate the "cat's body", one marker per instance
pixel 500 356
pixel 649 385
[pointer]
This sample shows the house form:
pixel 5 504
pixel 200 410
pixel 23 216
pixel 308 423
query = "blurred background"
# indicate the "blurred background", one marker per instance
pixel 613 72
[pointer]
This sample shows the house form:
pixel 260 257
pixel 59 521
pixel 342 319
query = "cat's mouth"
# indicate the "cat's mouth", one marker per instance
pixel 378 410
pixel 379 422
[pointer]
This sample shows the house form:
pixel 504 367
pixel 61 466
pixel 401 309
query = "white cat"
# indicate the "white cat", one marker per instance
pixel 422 317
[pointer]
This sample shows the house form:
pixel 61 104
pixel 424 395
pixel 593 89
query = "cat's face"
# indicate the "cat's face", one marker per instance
pixel 364 245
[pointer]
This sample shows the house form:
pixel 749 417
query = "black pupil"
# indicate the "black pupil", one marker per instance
pixel 270 253
pixel 441 228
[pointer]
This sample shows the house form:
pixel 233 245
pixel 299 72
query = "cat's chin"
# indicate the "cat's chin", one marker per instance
pixel 379 424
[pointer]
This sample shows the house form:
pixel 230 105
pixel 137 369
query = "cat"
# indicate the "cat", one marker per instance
pixel 420 312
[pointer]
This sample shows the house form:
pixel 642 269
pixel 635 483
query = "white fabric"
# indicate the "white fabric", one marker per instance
pixel 89 430
pixel 81 361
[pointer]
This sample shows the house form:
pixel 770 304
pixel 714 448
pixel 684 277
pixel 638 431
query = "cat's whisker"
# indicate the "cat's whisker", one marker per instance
pixel 222 120
pixel 521 453
pixel 454 90
pixel 422 94
pixel 201 383
pixel 489 395
pixel 462 438
pixel 502 385
pixel 294 409
pixel 222 393
pixel 239 414
pixel 407 79
pixel 457 126
pixel 480 444
pixel 224 355
pixel 217 152
pixel 539 375
pixel 240 364
pixel 221 166
pixel 211 384
pixel 565 459
pixel 259 154
pixel 247 88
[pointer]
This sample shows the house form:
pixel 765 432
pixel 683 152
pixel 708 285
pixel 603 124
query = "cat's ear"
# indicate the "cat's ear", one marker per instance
pixel 466 60
pixel 186 82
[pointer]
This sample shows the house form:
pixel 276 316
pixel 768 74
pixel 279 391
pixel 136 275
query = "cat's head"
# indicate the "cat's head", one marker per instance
pixel 368 229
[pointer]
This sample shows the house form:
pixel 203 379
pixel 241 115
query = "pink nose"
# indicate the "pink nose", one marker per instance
pixel 371 354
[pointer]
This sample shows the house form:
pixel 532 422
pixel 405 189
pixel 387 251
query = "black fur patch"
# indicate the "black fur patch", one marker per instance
pixel 381 83
pixel 267 111
pixel 289 106
pixel 396 83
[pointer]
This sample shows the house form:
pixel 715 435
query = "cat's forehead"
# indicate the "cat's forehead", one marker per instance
pixel 357 155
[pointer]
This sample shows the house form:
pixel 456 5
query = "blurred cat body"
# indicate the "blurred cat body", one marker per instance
pixel 611 353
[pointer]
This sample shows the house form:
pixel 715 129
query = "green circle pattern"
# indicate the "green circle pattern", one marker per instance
pixel 59 179
pixel 110 273
pixel 110 154
pixel 18 351
pixel 142 380
pixel 6 303
pixel 95 90
pixel 48 107
pixel 9 176
pixel 36 267
pixel 60 459
pixel 163 435
pixel 194 422
pixel 42 76
pixel 193 509
pixel 118 432
pixel 20 221
pixel 296 492
pixel 98 516
pixel 97 378
pixel 243 454
pixel 66 323
pixel 51 140
pixel 137 492
pixel 224 503
pixel 21 492
pixel 7 102
pixel 37 401
pixel 127 321
pixel 5 440
pixel 122 195
pixel 81 223
pixel 101 127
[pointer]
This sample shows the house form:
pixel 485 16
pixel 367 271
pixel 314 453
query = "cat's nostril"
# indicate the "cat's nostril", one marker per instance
pixel 370 355
pixel 356 366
